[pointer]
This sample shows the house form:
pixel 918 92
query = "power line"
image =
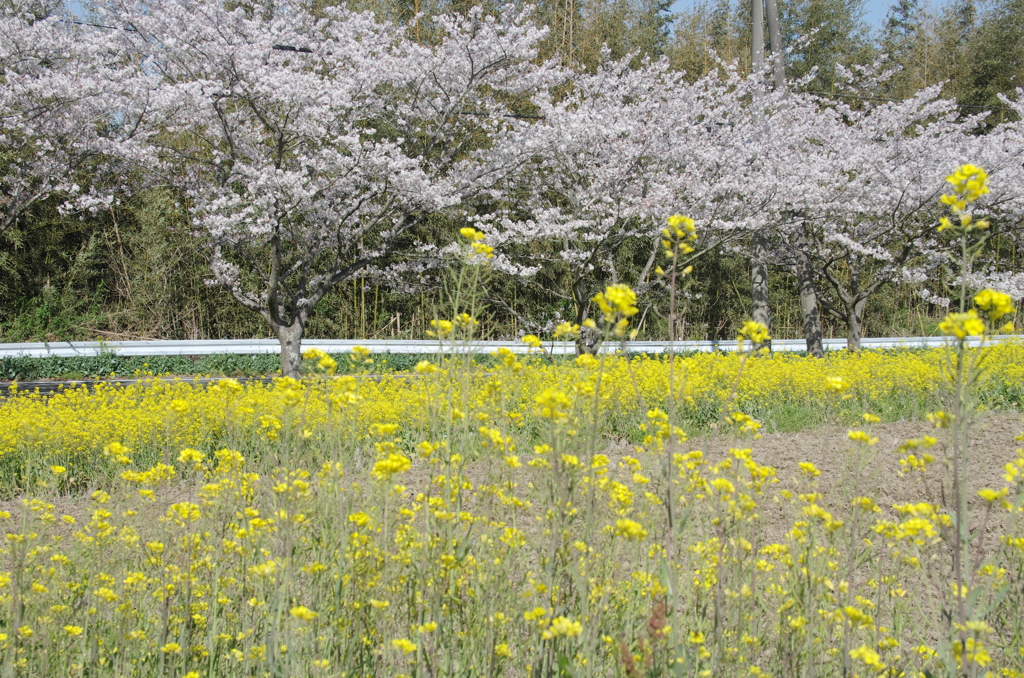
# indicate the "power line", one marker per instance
pixel 79 22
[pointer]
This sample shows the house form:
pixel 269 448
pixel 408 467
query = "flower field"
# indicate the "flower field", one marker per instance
pixel 521 518
pixel 157 419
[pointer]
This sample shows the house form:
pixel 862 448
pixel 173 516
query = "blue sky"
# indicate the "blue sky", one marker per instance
pixel 874 10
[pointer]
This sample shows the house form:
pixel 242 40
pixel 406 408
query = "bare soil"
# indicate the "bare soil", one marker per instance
pixel 992 445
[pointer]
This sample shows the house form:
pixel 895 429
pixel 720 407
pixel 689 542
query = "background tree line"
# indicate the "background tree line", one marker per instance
pixel 134 271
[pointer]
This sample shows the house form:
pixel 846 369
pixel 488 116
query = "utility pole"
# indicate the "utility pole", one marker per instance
pixel 775 42
pixel 756 34
pixel 804 268
pixel 760 312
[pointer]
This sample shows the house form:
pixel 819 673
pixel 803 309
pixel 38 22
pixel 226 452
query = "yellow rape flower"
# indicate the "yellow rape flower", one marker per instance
pixel 971 652
pixel 630 529
pixel 483 250
pixel 617 299
pixel 962 325
pixel 361 354
pixel 106 594
pixel 532 341
pixel 562 627
pixel 553 404
pixel 682 226
pixel 190 456
pixel 809 469
pixel 404 644
pixel 969 182
pixel 359 519
pixel 836 384
pixel 993 495
pixel 304 613
pixel 754 331
pixel 426 367
pixel 994 304
pixel 867 655
pixel 442 329
pixel 862 437
pixel 566 329
pixel 395 463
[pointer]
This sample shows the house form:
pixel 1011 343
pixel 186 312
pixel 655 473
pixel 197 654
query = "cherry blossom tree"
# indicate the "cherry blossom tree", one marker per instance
pixel 65 105
pixel 873 205
pixel 617 154
pixel 1000 153
pixel 308 146
pixel 596 180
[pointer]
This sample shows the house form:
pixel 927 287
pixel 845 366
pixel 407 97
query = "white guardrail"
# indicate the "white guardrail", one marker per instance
pixel 69 349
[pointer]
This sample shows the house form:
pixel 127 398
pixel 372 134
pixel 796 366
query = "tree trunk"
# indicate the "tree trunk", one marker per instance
pixel 808 297
pixel 290 337
pixel 855 302
pixel 760 311
pixel 775 42
pixel 588 340
pixel 854 315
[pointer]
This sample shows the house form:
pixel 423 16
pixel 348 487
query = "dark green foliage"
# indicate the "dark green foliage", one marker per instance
pixel 839 35
pixel 902 41
pixel 229 365
pixel 996 56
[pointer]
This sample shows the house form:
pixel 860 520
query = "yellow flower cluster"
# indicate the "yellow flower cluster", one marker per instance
pixel 617 300
pixel 678 239
pixel 479 251
pixel 117 429
pixel 962 325
pixel 753 331
pixel 994 305
pixel 969 183
pixel 324 362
